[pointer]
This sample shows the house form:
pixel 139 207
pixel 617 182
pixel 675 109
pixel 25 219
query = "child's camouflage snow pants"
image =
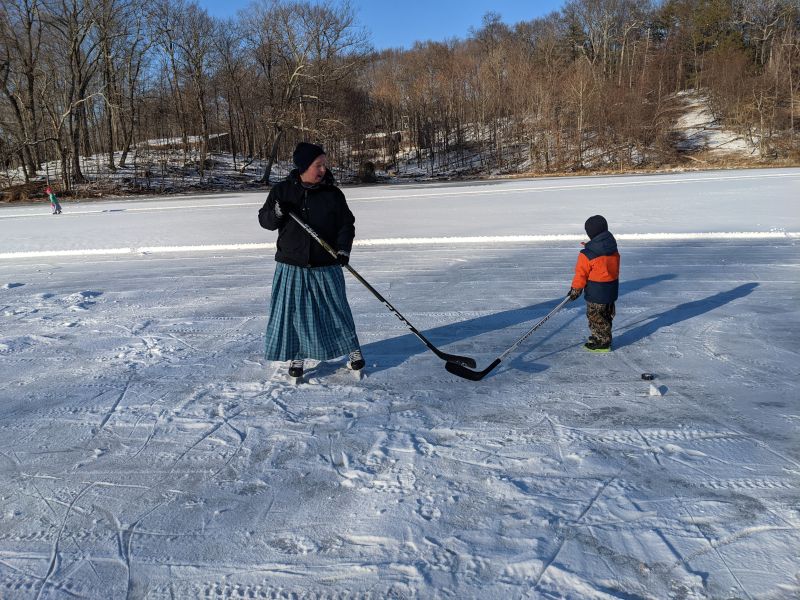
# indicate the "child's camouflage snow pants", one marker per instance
pixel 600 318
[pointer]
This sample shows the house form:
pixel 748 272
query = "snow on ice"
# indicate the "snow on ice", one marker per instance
pixel 148 451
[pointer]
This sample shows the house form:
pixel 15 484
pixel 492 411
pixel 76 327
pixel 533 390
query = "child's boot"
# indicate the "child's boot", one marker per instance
pixel 594 345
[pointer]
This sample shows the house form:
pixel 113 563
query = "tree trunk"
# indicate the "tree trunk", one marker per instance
pixel 108 76
pixel 75 119
pixel 273 154
pixel 65 178
pixel 204 133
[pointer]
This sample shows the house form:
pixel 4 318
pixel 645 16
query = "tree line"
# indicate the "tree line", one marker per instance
pixel 596 82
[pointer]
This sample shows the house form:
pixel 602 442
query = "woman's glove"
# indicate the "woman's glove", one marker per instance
pixel 282 209
pixel 343 258
pixel 574 293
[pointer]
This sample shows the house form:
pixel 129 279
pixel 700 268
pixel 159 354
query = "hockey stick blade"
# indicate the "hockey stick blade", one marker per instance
pixel 462 371
pixel 458 361
pixel 466 373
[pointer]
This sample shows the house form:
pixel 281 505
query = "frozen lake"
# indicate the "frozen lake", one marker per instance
pixel 148 451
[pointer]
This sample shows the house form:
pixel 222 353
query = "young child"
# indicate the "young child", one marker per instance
pixel 54 205
pixel 597 272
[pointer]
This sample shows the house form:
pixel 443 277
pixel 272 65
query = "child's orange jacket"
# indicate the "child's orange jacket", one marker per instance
pixel 597 270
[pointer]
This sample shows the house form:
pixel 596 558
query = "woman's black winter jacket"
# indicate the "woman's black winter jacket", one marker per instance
pixel 323 207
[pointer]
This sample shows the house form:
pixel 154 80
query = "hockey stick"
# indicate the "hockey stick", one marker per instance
pixel 462 371
pixel 455 359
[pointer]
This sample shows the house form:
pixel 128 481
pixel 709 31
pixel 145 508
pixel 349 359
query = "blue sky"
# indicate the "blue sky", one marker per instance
pixel 399 24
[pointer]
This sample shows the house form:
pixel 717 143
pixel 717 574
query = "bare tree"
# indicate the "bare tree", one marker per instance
pixel 301 50
pixel 279 57
pixel 133 59
pixel 20 45
pixel 194 40
pixel 232 71
pixel 166 24
pixel 76 50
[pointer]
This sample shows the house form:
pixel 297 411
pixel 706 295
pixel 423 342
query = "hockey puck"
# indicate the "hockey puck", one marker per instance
pixel 648 376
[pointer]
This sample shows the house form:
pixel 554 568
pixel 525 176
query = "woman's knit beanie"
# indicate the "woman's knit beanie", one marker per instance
pixel 305 154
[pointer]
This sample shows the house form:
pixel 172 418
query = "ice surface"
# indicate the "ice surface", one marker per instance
pixel 148 451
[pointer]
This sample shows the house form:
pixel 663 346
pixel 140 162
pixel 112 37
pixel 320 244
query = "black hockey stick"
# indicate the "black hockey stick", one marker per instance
pixel 462 371
pixel 455 359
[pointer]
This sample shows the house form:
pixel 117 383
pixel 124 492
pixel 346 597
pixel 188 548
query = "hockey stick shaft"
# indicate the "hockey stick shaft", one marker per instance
pixel 463 361
pixel 534 328
pixel 466 373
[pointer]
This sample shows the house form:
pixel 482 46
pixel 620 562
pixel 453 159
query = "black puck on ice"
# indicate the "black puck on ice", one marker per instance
pixel 648 376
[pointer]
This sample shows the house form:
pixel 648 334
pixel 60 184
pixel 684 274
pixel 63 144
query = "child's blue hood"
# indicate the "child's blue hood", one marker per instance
pixel 602 244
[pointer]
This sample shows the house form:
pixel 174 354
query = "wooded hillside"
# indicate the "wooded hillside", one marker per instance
pixel 596 83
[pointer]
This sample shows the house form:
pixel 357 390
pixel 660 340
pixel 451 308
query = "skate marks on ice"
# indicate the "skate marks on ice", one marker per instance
pixel 198 471
pixel 668 504
pixel 520 503
pixel 112 439
pixel 232 514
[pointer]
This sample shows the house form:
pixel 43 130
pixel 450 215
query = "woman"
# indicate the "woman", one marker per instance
pixel 309 314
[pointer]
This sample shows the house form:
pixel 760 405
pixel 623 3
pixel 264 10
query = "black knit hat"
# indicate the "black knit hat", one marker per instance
pixel 595 226
pixel 305 154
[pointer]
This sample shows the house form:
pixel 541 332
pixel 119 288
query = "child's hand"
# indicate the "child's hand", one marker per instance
pixel 574 293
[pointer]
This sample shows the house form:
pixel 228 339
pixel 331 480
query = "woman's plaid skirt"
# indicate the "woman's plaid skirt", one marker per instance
pixel 309 314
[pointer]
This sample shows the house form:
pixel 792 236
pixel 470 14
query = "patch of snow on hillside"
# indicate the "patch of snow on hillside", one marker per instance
pixel 700 129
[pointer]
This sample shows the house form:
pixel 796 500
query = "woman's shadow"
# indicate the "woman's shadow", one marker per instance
pixel 392 352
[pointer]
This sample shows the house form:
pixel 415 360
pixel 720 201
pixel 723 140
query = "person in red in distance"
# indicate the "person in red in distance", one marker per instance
pixel 54 205
pixel 597 274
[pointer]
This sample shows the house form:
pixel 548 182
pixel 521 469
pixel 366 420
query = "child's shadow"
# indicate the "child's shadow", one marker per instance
pixel 679 313
pixel 389 353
